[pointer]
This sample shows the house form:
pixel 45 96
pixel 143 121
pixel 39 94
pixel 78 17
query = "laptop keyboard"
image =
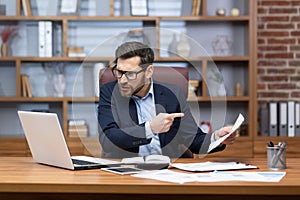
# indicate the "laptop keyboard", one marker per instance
pixel 82 162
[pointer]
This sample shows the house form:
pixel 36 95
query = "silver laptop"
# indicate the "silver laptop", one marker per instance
pixel 48 146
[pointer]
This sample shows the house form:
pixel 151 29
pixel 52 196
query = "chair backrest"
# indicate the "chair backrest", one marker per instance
pixel 174 75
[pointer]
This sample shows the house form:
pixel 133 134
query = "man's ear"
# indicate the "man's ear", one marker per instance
pixel 149 71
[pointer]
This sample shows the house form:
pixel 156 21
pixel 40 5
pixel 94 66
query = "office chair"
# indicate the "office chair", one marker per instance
pixel 173 75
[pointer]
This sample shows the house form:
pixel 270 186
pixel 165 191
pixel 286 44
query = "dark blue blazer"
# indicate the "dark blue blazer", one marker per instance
pixel 120 134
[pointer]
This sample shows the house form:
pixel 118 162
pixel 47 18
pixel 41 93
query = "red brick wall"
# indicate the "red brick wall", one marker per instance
pixel 278 53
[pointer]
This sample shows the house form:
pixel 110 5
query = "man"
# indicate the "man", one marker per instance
pixel 139 116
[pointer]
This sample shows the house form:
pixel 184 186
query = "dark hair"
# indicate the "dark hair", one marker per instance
pixel 132 49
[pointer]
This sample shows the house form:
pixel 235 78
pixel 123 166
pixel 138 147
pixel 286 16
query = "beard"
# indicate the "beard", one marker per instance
pixel 127 90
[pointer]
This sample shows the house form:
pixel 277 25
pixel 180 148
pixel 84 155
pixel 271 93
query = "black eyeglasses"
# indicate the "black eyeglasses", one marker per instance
pixel 130 75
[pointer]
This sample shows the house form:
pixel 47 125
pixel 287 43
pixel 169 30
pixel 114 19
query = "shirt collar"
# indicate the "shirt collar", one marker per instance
pixel 149 94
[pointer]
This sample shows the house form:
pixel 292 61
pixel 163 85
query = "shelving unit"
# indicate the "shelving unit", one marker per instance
pixel 99 35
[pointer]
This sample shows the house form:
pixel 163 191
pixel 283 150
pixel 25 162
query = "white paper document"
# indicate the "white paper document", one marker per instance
pixel 212 166
pixel 236 125
pixel 217 176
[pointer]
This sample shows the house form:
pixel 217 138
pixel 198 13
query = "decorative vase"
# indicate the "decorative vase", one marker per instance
pixel 238 89
pixel 4 49
pixel 60 85
pixel 183 47
pixel 222 45
pixel 172 46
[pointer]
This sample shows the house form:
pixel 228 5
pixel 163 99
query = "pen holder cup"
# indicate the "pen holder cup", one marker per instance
pixel 276 157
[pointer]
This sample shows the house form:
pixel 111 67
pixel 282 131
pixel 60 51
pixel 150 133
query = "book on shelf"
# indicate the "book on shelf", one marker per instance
pixel 26 8
pixel 26 86
pixel 76 52
pixel 196 7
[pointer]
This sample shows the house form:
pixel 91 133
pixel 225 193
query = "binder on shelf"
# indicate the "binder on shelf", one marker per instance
pixel 57 40
pixel 291 118
pixel 41 27
pixel 263 121
pixel 45 38
pixel 273 124
pixel 48 38
pixel 297 119
pixel 187 8
pixel 282 118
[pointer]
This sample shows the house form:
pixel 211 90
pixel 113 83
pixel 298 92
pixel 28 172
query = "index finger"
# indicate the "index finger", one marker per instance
pixel 173 115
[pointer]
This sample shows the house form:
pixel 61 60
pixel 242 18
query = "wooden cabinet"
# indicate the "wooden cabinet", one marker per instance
pixel 221 52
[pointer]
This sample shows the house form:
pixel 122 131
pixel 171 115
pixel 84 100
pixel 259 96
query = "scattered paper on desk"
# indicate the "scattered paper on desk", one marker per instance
pixel 212 166
pixel 166 175
pixel 236 125
pixel 246 176
pixel 217 176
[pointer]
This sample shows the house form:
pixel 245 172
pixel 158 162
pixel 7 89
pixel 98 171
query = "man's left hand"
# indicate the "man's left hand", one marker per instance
pixel 224 131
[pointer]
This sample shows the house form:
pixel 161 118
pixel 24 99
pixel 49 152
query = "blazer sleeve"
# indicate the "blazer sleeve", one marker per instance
pixel 117 129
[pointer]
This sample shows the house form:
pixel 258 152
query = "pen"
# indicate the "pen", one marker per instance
pixel 277 156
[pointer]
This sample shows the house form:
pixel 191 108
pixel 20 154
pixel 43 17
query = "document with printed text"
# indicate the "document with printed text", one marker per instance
pixel 236 125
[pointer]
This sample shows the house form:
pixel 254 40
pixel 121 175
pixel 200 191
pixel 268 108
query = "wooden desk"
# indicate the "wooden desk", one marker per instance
pixel 21 178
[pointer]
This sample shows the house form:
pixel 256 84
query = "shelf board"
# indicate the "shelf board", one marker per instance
pixel 96 99
pixel 212 58
pixel 49 99
pixel 108 59
pixel 126 18
pixel 206 18
pixel 228 99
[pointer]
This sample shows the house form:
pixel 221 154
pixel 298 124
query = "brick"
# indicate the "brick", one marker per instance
pixel 272 63
pixel 273 34
pixel 287 71
pixel 272 48
pixel 281 41
pixel 261 86
pixel 282 86
pixel 295 47
pixel 295 94
pixel 275 3
pixel 275 19
pixel 295 33
pixel 260 71
pixel 274 94
pixel 295 63
pixel 295 19
pixel 283 10
pixel 279 55
pixel 260 41
pixel 262 10
pixel 280 26
pixel 273 78
pixel 295 78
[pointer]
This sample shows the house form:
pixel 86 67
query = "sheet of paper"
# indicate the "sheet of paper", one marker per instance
pixel 212 166
pixel 166 175
pixel 217 176
pixel 236 125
